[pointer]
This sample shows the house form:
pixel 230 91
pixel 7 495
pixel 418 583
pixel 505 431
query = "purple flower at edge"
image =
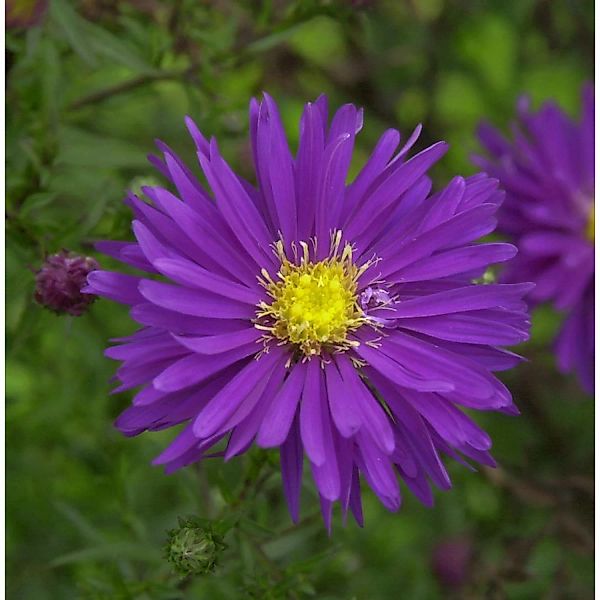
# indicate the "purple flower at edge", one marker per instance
pixel 256 328
pixel 24 13
pixel 451 561
pixel 548 174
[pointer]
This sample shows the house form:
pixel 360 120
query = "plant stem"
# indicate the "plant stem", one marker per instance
pixel 130 84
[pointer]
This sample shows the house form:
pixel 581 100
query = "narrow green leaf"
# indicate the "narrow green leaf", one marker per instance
pixel 73 27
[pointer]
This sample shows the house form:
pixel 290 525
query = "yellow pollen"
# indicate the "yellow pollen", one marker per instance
pixel 314 304
pixel 591 225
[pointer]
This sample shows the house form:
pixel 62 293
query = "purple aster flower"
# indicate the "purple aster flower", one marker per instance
pixel 337 321
pixel 548 175
pixel 59 281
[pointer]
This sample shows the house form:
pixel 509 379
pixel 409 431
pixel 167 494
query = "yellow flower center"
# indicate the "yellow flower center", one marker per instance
pixel 314 304
pixel 591 226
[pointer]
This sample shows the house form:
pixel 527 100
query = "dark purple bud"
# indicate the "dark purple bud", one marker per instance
pixel 24 13
pixel 58 283
pixel 450 561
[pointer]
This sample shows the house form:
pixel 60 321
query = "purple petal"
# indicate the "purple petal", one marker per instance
pixel 127 252
pixel 155 316
pixel 454 262
pixel 397 372
pixel 309 162
pixel 379 158
pixel 189 274
pixel 474 297
pixel 161 345
pixel 355 499
pixel 194 302
pixel 451 424
pixel 378 471
pixel 311 416
pixel 292 461
pixel 223 405
pixel 278 419
pixel 341 395
pixel 393 187
pixel 244 433
pixel 469 328
pixel 368 412
pixel 237 208
pixel 281 173
pixel 215 344
pixel 326 512
pixel 214 242
pixel 458 230
pixel 429 361
pixel 115 286
pixel 152 248
pixel 198 367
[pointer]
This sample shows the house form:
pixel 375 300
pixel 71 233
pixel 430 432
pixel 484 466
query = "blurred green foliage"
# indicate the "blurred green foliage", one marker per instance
pixel 89 89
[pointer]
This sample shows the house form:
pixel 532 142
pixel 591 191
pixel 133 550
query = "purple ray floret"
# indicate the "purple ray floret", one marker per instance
pixel 338 322
pixel 547 171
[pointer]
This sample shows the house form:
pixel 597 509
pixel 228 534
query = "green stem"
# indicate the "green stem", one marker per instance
pixel 130 84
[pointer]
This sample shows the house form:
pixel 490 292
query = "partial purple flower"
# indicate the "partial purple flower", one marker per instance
pixel 24 13
pixel 59 281
pixel 337 321
pixel 451 560
pixel 548 174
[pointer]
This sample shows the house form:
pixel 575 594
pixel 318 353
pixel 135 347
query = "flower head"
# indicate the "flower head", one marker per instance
pixel 337 321
pixel 548 174
pixel 59 281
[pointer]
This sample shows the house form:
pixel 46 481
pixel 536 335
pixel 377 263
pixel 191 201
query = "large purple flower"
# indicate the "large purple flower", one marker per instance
pixel 337 321
pixel 548 175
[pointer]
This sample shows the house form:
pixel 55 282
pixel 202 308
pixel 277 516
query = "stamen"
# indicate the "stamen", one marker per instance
pixel 315 304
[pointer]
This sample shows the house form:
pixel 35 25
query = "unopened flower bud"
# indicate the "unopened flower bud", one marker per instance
pixel 58 283
pixel 194 547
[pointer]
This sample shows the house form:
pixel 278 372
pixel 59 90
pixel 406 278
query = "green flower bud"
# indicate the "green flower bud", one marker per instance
pixel 194 547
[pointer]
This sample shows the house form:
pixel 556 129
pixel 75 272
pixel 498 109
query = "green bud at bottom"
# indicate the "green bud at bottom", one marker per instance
pixel 194 547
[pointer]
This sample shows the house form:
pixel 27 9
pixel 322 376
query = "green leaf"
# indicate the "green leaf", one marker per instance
pixel 272 40
pixel 560 81
pixel 73 26
pixel 116 551
pixel 106 44
pixel 85 149
pixel 458 99
pixel 87 529
pixel 319 40
pixel 489 44
pixel 36 202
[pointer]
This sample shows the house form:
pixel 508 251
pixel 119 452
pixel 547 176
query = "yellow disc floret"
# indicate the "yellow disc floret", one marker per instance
pixel 314 304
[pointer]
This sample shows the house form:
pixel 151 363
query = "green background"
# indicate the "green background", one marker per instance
pixel 88 90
